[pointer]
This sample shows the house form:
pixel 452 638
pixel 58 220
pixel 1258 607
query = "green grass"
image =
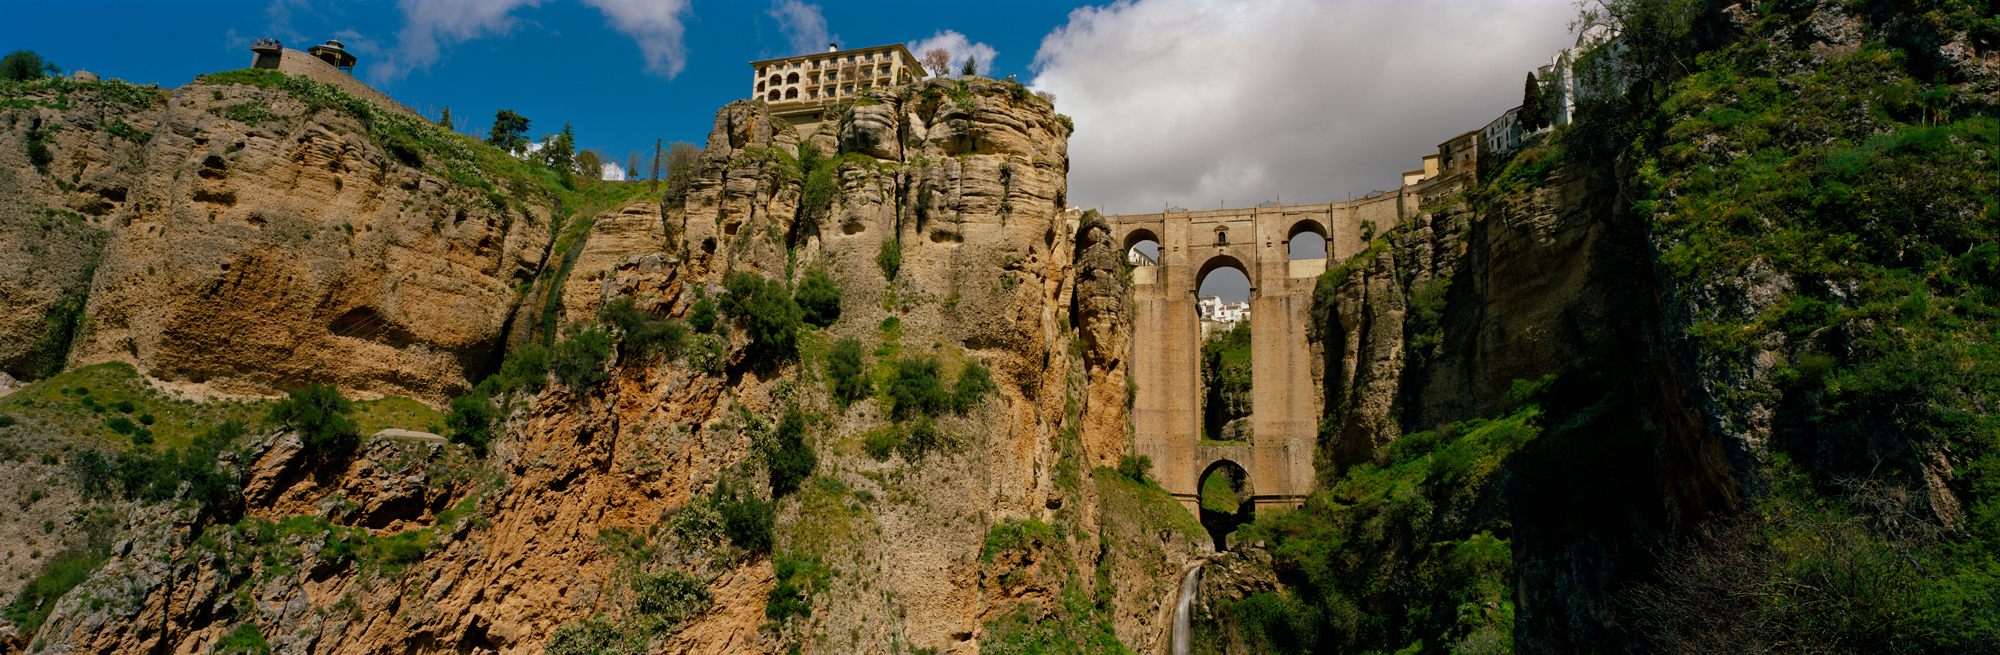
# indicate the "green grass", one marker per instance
pixel 1145 505
pixel 56 403
pixel 372 416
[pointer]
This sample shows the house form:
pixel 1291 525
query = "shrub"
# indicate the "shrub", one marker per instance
pixel 799 578
pixel 922 438
pixel 973 384
pixel 890 258
pixel 38 151
pixel 768 312
pixel 471 420
pixel 579 361
pixel 820 187
pixel 849 378
pixel 916 389
pixel 319 414
pixel 818 299
pixel 7 420
pixel 672 597
pixel 527 368
pixel 124 406
pixel 880 442
pixel 61 574
pixel 747 519
pixel 1135 467
pixel 146 419
pixel 120 425
pixel 644 335
pixel 702 316
pixel 244 639
pixel 142 437
pixel 24 65
pixel 792 460
pixel 596 636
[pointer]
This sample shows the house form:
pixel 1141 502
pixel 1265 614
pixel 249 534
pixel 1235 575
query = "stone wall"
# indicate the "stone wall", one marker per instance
pixel 293 62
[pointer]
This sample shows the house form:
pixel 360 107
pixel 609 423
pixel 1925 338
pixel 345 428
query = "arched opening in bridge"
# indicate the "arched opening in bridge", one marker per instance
pixel 1142 248
pixel 1225 500
pixel 1306 241
pixel 1222 305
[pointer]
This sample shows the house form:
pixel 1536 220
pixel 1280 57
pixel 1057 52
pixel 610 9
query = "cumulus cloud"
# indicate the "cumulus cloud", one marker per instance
pixel 803 25
pixel 960 47
pixel 1196 103
pixel 655 25
pixel 431 25
pixel 611 172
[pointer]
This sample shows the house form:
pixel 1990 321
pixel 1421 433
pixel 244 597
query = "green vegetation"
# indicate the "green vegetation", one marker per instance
pixel 1392 556
pixel 644 335
pixel 890 258
pixel 818 299
pixel 846 373
pixel 25 65
pixel 792 460
pixel 509 133
pixel 77 403
pixel 702 317
pixel 746 519
pixel 819 187
pixel 61 574
pixel 1225 374
pixel 768 312
pixel 1135 467
pixel 917 389
pixel 319 414
pixel 578 361
pixel 258 77
pixel 799 578
pixel 245 638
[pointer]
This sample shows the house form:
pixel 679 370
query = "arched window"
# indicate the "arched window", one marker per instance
pixel 760 87
pixel 774 94
pixel 1221 236
pixel 792 78
pixel 1142 248
pixel 1225 500
pixel 1307 241
pixel 776 80
pixel 791 93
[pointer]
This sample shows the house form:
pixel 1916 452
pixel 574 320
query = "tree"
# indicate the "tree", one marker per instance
pixel 1046 97
pixel 634 162
pixel 23 65
pixel 510 131
pixel 589 165
pixel 769 314
pixel 938 60
pixel 471 420
pixel 793 460
pixel 444 118
pixel 850 378
pixel 561 153
pixel 818 298
pixel 319 415
pixel 682 159
pixel 971 66
pixel 1531 104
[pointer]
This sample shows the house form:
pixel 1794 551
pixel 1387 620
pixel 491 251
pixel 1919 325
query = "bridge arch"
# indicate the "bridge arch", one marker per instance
pixel 1226 499
pixel 1221 261
pixel 1139 237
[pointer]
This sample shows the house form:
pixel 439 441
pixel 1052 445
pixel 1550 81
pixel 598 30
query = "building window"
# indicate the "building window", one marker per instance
pixel 813 93
pixel 792 79
pixel 760 87
pixel 791 93
pixel 775 80
pixel 762 71
pixel 774 94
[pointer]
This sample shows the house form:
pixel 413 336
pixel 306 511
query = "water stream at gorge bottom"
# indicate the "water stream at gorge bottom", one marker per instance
pixel 1184 612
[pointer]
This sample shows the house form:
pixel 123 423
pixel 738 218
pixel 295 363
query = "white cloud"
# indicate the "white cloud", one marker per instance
pixel 803 25
pixel 960 47
pixel 655 25
pixel 430 25
pixel 612 172
pixel 1195 103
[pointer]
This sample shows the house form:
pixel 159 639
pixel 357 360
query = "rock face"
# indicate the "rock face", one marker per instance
pixel 253 254
pixel 1001 526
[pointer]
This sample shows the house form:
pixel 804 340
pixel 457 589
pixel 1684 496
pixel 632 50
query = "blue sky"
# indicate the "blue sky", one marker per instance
pixel 1189 103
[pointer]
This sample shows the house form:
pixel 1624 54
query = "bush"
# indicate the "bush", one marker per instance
pixel 702 316
pixel 973 384
pixel 124 406
pixel 244 639
pixel 644 335
pixel 890 258
pixel 62 573
pixel 771 316
pixel 120 425
pixel 916 389
pixel 792 460
pixel 319 414
pixel 922 438
pixel 596 636
pixel 24 65
pixel 579 361
pixel 7 420
pixel 146 420
pixel 798 579
pixel 672 597
pixel 1135 467
pixel 527 368
pixel 142 437
pixel 849 378
pixel 818 299
pixel 471 420
pixel 880 442
pixel 747 519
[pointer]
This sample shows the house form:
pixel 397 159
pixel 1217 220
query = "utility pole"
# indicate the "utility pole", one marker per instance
pixel 656 163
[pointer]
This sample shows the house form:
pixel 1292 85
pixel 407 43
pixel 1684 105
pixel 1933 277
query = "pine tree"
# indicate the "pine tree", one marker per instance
pixel 1533 114
pixel 444 119
pixel 971 66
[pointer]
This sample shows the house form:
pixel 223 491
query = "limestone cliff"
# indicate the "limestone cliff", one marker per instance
pixel 237 239
pixel 946 234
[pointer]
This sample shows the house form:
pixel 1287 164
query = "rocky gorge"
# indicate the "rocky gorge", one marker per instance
pixel 1706 370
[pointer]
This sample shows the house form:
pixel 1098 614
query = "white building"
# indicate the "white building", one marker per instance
pixel 805 84
pixel 1217 315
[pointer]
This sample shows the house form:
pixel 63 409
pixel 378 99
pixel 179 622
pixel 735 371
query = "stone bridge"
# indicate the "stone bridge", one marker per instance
pixel 1166 337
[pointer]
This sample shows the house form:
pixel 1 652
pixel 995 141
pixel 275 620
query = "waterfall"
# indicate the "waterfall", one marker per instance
pixel 1185 611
